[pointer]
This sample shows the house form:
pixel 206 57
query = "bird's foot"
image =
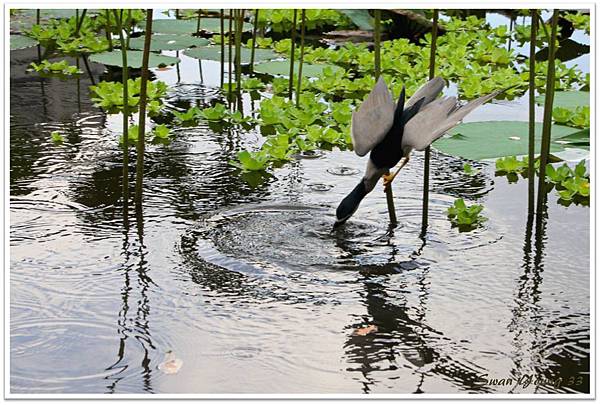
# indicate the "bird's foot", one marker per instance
pixel 388 178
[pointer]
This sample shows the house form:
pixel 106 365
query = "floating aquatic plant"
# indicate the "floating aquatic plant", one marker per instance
pixel 61 68
pixel 109 95
pixel 56 137
pixel 465 217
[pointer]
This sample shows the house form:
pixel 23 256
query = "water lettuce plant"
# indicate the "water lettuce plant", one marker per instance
pixel 56 137
pixel 109 95
pixel 61 68
pixel 465 217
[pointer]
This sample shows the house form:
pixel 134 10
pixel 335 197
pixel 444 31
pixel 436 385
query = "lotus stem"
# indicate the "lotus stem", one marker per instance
pixel 177 14
pixel 222 49
pixel 108 31
pixel 530 169
pixel 139 177
pixel 302 29
pixel 425 209
pixel 80 22
pixel 198 23
pixel 253 39
pixel 87 68
pixel 292 51
pixel 125 69
pixel 230 56
pixel 547 124
pixel 238 50
pixel 39 48
pixel 377 43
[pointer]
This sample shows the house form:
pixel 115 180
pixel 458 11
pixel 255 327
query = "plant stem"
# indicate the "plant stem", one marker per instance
pixel 292 51
pixel 80 22
pixel 230 56
pixel 253 40
pixel 530 169
pixel 108 31
pixel 238 49
pixel 377 43
pixel 139 175
pixel 198 23
pixel 302 29
pixel 425 209
pixel 546 126
pixel 222 49
pixel 39 48
pixel 119 18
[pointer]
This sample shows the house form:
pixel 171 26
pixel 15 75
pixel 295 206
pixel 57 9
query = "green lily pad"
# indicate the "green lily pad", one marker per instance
pixel 580 139
pixel 567 99
pixel 493 139
pixel 282 67
pixel 214 53
pixel 134 59
pixel 168 42
pixel 21 42
pixel 169 26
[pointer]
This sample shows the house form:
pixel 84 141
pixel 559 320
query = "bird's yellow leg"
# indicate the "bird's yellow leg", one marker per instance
pixel 388 178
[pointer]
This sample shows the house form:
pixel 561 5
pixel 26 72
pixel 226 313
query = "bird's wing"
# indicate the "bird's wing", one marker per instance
pixel 372 121
pixel 429 91
pixel 436 118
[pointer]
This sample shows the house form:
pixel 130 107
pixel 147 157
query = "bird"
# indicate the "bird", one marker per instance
pixel 390 132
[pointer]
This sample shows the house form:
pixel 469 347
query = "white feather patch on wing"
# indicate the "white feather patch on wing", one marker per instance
pixel 435 119
pixel 372 121
pixel 429 91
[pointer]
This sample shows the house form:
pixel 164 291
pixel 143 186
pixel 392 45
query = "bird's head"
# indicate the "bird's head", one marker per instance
pixel 350 204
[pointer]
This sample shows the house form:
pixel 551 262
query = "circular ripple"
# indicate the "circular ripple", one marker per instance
pixel 342 171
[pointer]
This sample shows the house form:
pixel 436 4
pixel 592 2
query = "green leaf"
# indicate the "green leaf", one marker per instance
pixel 56 137
pixel 21 42
pixel 567 99
pixel 134 59
pixel 282 67
pixel 492 139
pixel 168 42
pixel 214 53
pixel 161 131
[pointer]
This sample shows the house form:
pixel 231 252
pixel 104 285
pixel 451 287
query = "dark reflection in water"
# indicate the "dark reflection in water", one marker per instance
pixel 136 327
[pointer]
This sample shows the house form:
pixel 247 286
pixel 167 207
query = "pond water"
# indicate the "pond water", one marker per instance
pixel 250 286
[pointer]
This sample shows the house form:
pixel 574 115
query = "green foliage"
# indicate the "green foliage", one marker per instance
pixel 465 217
pixel 250 161
pixel 580 21
pixel 56 137
pixel 280 20
pixel 61 34
pixel 217 113
pixel 187 116
pixel 469 170
pixel 510 165
pixel 61 69
pixel 578 117
pixel 260 42
pixel 109 95
pixel 252 83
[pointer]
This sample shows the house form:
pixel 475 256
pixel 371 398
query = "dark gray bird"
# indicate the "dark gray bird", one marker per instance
pixel 391 131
